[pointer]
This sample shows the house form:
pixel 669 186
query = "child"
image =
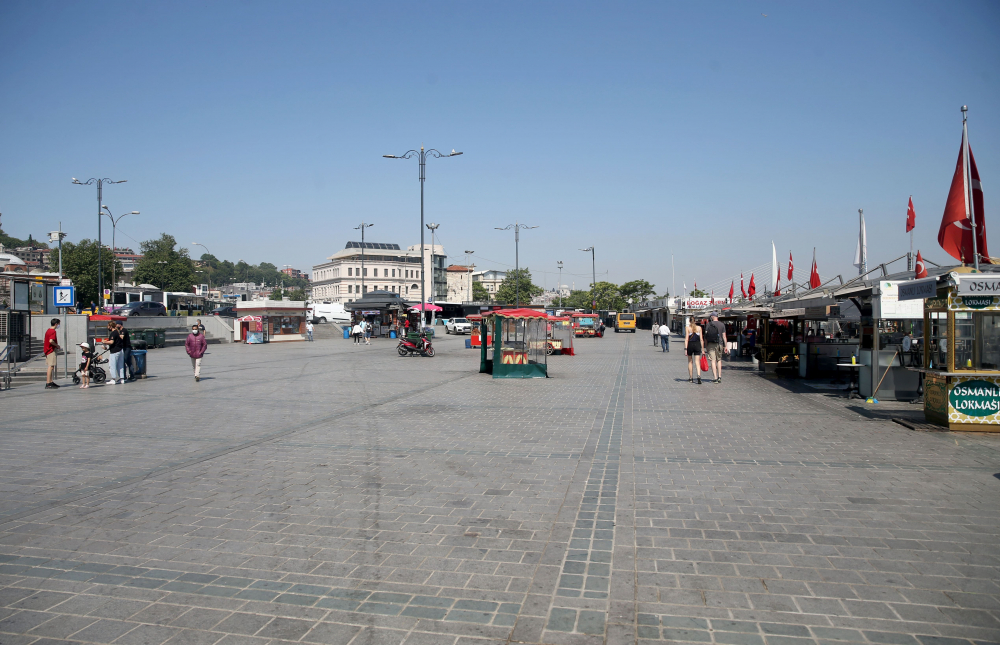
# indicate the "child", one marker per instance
pixel 86 355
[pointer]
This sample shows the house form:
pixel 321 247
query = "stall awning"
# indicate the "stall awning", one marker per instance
pixel 520 313
pixel 426 307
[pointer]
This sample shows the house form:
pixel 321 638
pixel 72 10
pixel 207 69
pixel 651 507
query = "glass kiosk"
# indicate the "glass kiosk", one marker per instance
pixel 519 344
pixel 962 359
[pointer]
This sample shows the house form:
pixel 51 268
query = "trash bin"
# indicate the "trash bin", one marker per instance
pixel 140 363
pixel 161 338
pixel 347 333
pixel 140 343
pixel 468 343
pixel 392 333
pixel 150 337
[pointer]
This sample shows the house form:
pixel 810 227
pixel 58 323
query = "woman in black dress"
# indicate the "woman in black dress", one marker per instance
pixel 692 346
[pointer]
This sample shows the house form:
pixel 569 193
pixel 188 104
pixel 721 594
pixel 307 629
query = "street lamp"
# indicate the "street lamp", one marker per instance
pixel 432 227
pixel 517 255
pixel 363 226
pixel 159 272
pixel 469 267
pixel 100 248
pixel 114 229
pixel 593 286
pixel 209 274
pixel 559 263
pixel 421 156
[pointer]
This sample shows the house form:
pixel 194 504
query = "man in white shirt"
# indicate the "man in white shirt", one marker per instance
pixel 309 330
pixel 664 332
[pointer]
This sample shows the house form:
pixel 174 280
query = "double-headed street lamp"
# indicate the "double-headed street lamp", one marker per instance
pixel 363 226
pixel 207 273
pixel 593 286
pixel 114 229
pixel 517 255
pixel 421 156
pixel 470 267
pixel 432 227
pixel 100 248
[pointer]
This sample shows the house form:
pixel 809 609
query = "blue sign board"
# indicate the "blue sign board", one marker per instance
pixel 64 296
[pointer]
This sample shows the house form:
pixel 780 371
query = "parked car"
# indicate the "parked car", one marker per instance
pixel 143 309
pixel 458 326
pixel 227 312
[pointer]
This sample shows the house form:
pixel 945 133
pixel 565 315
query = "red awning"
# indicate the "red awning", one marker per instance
pixel 519 313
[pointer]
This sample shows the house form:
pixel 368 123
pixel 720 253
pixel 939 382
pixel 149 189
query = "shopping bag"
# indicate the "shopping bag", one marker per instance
pixel 704 363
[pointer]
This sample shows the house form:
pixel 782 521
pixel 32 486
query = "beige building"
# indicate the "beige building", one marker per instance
pixel 459 283
pixel 491 280
pixel 386 268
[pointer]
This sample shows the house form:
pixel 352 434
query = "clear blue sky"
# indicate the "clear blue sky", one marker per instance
pixel 700 129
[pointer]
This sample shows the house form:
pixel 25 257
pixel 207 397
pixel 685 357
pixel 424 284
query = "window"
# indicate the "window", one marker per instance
pixel 365 272
pixel 385 273
pixel 939 340
pixel 394 273
pixel 349 271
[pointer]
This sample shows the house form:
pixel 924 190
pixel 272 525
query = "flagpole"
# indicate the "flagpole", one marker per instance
pixel 909 258
pixel 969 189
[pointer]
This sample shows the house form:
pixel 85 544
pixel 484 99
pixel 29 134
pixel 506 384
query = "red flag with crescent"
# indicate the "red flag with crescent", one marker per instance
pixel 921 268
pixel 911 216
pixel 955 234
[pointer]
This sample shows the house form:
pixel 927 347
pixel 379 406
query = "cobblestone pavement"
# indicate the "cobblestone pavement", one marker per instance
pixel 331 493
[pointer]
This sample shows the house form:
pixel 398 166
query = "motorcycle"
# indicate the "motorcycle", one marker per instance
pixel 422 345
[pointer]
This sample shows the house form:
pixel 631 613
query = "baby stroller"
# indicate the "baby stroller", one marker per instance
pixel 96 372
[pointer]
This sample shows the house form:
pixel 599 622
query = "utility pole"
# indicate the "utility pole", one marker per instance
pixel 54 236
pixel 517 256
pixel 593 286
pixel 100 247
pixel 432 227
pixel 469 267
pixel 362 226
pixel 559 263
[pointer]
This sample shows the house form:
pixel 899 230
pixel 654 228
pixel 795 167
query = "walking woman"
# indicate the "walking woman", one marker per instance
pixel 692 346
pixel 656 334
pixel 116 357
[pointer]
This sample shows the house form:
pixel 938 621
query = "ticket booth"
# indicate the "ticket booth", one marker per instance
pixel 962 354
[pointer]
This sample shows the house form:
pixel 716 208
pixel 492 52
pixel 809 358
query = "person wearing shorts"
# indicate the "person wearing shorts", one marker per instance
pixel 715 334
pixel 692 347
pixel 50 346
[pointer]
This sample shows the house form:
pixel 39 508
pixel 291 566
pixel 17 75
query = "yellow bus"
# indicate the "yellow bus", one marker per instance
pixel 625 322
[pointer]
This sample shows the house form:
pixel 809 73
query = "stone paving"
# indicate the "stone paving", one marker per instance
pixel 331 493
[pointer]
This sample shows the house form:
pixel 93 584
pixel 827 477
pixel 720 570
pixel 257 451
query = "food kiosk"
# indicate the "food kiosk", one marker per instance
pixel 586 325
pixel 962 353
pixel 476 331
pixel 560 335
pixel 269 321
pixel 519 344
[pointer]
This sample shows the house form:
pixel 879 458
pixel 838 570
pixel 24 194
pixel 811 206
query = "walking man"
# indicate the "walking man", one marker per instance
pixel 195 345
pixel 715 343
pixel 49 347
pixel 665 337
pixel 656 334
pixel 309 330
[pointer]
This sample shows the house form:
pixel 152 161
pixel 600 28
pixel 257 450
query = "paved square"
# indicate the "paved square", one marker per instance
pixel 332 493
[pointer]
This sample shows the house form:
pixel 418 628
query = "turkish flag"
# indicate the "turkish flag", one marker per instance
pixel 732 285
pixel 921 270
pixel 742 290
pixel 911 216
pixel 752 291
pixel 814 280
pixel 790 266
pixel 955 234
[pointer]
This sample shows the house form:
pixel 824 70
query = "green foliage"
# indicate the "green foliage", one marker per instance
pixel 80 266
pixel 168 268
pixel 277 294
pixel 697 293
pixel 480 293
pixel 13 242
pixel 517 280
pixel 265 273
pixel 577 300
pixel 637 290
pixel 608 296
pixel 296 294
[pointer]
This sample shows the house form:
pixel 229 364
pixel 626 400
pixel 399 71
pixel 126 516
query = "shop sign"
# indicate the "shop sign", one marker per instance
pixel 890 306
pixel 917 289
pixel 957 303
pixel 978 285
pixel 976 400
pixel 698 303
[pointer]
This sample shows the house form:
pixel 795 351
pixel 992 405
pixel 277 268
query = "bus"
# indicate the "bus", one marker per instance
pixel 625 322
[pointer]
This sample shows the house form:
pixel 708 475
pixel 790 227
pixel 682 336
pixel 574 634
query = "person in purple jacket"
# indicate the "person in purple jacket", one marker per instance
pixel 195 345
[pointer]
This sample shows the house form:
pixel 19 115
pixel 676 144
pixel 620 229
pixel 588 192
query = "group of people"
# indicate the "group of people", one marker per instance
pixel 361 331
pixel 710 341
pixel 661 336
pixel 118 345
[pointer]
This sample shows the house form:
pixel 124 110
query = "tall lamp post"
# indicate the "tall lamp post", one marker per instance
pixel 432 228
pixel 114 229
pixel 205 272
pixel 559 263
pixel 100 247
pixel 421 156
pixel 517 255
pixel 362 226
pixel 593 286
pixel 57 236
pixel 469 267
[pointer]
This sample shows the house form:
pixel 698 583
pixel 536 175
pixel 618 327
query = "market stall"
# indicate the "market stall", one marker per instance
pixel 519 344
pixel 269 321
pixel 560 335
pixel 586 325
pixel 476 332
pixel 384 312
pixel 962 354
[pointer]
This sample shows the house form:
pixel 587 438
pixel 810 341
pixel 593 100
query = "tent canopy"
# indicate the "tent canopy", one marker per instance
pixel 519 313
pixel 426 307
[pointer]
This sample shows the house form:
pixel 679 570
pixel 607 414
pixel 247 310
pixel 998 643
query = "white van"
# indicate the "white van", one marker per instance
pixel 322 312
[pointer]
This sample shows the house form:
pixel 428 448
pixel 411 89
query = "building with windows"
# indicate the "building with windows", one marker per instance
pixel 387 267
pixel 294 273
pixel 491 279
pixel 129 259
pixel 459 283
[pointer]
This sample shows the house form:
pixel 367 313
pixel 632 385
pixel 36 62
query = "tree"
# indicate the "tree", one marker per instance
pixel 479 292
pixel 577 300
pixel 608 296
pixel 517 281
pixel 277 294
pixel 80 266
pixel 164 266
pixel 13 242
pixel 296 294
pixel 697 293
pixel 637 290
